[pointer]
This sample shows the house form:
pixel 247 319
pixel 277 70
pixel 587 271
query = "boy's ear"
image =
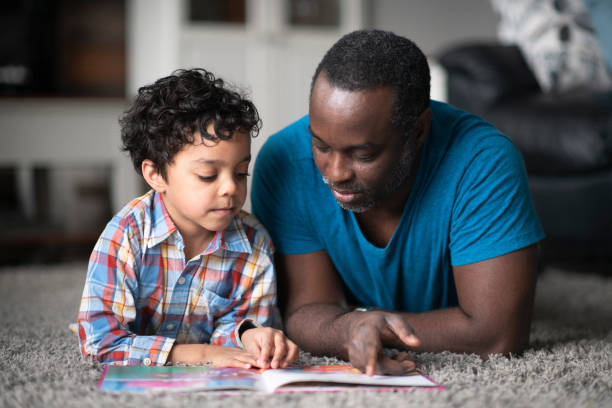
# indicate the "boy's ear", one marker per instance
pixel 152 176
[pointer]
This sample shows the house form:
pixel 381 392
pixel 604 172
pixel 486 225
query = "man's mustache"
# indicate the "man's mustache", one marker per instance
pixel 352 187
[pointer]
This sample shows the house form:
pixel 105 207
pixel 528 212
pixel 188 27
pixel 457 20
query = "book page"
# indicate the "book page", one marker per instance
pixel 139 379
pixel 339 374
pixel 177 378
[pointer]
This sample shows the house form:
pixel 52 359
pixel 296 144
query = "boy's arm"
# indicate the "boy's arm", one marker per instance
pixel 218 356
pixel 108 306
pixel 257 301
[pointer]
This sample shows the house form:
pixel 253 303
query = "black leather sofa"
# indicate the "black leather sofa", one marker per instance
pixel 565 139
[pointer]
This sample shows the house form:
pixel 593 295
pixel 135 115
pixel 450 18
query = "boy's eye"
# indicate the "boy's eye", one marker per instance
pixel 208 178
pixel 242 175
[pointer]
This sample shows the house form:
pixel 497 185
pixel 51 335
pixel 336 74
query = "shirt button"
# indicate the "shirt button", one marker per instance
pixel 169 326
pixel 181 280
pixel 146 361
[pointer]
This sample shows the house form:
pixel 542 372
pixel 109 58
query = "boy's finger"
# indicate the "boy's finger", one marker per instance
pixel 267 348
pixel 246 358
pixel 237 360
pixel 292 353
pixel 280 349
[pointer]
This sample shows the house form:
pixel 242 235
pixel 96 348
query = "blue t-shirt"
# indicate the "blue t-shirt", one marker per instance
pixel 470 202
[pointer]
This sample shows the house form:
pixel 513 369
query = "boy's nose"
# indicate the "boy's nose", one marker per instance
pixel 228 186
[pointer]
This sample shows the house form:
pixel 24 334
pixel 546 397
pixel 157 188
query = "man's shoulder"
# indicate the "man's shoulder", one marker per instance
pixel 465 133
pixel 449 118
pixel 300 126
pixel 285 159
pixel 291 142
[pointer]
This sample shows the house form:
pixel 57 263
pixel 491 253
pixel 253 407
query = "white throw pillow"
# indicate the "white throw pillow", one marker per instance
pixel 557 40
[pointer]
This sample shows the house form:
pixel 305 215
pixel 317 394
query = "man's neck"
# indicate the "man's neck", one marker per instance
pixel 379 223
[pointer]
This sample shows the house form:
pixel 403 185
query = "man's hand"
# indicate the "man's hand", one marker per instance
pixel 368 332
pixel 218 356
pixel 270 346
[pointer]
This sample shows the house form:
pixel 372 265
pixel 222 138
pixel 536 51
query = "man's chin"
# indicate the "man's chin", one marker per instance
pixel 356 206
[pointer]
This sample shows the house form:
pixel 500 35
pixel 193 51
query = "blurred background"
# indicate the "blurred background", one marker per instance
pixel 68 69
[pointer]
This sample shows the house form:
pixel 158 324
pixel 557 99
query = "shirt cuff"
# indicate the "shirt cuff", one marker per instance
pixel 150 350
pixel 246 322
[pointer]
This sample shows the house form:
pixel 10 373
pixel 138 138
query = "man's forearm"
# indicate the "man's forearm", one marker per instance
pixel 453 330
pixel 324 329
pixel 320 328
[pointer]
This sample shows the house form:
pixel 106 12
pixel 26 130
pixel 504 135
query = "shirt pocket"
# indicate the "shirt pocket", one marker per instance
pixel 218 306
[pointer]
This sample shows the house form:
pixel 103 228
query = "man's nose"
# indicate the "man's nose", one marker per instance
pixel 338 168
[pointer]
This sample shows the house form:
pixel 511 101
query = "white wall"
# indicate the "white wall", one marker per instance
pixel 436 24
pixel 64 133
pixel 269 60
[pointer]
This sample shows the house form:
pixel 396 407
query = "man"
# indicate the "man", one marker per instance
pixel 414 211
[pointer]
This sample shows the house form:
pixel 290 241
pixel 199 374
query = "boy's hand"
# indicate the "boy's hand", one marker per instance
pixel 272 348
pixel 218 356
pixel 222 356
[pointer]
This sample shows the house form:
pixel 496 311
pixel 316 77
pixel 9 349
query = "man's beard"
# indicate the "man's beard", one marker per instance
pixel 397 177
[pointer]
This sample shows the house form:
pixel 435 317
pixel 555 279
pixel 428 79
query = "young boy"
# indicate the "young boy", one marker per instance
pixel 181 274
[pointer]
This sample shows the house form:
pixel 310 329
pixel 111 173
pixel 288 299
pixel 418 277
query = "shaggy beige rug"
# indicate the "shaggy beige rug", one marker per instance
pixel 567 365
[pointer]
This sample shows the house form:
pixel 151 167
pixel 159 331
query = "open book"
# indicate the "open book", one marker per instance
pixel 292 379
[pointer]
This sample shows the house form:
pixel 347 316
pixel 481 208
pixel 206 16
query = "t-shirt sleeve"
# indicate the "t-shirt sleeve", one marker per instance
pixel 493 213
pixel 278 200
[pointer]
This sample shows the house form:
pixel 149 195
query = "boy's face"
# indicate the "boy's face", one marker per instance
pixel 206 184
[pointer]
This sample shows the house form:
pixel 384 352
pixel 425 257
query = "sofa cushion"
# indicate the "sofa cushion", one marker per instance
pixel 566 133
pixel 481 75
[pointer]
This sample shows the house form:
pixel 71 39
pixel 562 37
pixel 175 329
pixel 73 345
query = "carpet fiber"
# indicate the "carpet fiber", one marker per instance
pixel 568 363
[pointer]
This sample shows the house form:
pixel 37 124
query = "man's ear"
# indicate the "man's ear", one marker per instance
pixel 152 176
pixel 423 126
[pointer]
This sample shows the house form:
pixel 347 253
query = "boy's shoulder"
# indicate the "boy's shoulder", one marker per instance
pixel 136 218
pixel 138 210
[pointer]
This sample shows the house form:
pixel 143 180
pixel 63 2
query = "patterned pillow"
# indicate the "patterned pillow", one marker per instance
pixel 558 42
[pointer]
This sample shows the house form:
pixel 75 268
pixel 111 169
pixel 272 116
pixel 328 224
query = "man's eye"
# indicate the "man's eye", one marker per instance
pixel 322 149
pixel 365 158
pixel 208 179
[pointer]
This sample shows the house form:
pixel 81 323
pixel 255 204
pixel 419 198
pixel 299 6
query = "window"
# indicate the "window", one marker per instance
pixel 62 48
pixel 320 13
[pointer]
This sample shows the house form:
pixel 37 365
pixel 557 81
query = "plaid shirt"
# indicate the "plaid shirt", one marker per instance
pixel 141 297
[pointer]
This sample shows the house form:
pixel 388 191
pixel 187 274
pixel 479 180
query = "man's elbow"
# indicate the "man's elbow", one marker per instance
pixel 292 325
pixel 506 344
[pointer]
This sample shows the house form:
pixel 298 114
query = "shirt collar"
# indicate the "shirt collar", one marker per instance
pixel 162 225
pixel 232 238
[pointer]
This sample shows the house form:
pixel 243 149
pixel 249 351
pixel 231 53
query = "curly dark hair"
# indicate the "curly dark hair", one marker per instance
pixel 165 115
pixel 367 59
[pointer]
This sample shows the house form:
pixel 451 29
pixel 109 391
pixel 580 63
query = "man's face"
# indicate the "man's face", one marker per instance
pixel 361 156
